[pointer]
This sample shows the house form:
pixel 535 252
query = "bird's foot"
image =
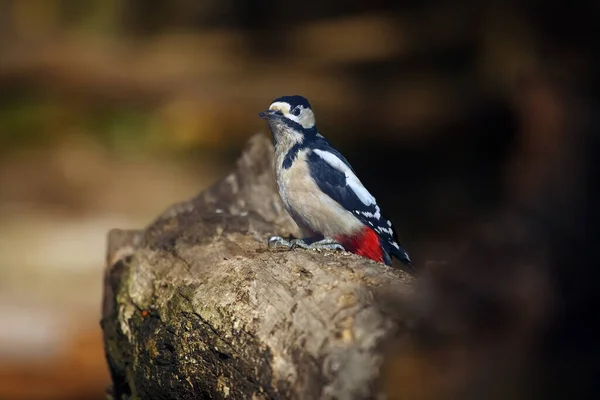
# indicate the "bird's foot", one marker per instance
pixel 277 242
pixel 324 244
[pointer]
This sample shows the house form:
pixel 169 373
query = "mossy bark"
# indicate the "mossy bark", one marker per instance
pixel 195 306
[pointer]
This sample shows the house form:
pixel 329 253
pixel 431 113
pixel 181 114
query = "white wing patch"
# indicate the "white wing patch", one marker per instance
pixel 386 230
pixel 382 226
pixel 353 182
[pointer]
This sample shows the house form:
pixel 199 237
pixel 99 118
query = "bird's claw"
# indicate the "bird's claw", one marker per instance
pixel 278 241
pixel 299 243
pixel 325 244
pixel 336 246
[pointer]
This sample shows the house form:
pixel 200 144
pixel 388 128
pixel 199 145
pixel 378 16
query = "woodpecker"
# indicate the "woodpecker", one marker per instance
pixel 321 191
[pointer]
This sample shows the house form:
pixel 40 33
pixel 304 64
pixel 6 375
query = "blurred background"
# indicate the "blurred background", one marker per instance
pixel 112 110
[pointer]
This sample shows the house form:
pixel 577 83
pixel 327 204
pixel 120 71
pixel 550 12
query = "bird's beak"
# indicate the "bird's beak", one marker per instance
pixel 266 114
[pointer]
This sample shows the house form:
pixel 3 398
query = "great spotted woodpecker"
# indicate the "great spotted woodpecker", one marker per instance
pixel 321 191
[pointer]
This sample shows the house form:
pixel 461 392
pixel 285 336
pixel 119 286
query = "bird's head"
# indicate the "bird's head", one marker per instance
pixel 290 115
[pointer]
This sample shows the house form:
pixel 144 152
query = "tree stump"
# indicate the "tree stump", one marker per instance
pixel 196 306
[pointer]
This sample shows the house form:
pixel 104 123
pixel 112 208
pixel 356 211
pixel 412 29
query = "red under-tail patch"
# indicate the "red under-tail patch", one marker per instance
pixel 365 243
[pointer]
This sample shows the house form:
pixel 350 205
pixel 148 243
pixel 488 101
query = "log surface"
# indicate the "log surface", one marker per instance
pixel 195 306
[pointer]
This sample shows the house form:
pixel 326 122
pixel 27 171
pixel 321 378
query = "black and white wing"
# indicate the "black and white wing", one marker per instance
pixel 335 177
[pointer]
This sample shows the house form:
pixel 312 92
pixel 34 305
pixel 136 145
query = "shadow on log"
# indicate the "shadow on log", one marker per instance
pixel 195 306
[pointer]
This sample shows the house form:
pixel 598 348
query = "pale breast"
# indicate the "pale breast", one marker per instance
pixel 308 205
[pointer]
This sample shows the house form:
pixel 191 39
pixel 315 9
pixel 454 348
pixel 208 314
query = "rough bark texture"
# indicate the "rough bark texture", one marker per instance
pixel 195 306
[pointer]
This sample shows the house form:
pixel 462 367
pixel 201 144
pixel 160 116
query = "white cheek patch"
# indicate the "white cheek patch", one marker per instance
pixel 306 118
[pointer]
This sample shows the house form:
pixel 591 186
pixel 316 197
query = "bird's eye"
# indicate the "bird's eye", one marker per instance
pixel 278 112
pixel 296 111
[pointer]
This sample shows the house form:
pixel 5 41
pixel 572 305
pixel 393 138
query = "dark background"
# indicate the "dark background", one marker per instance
pixel 451 113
